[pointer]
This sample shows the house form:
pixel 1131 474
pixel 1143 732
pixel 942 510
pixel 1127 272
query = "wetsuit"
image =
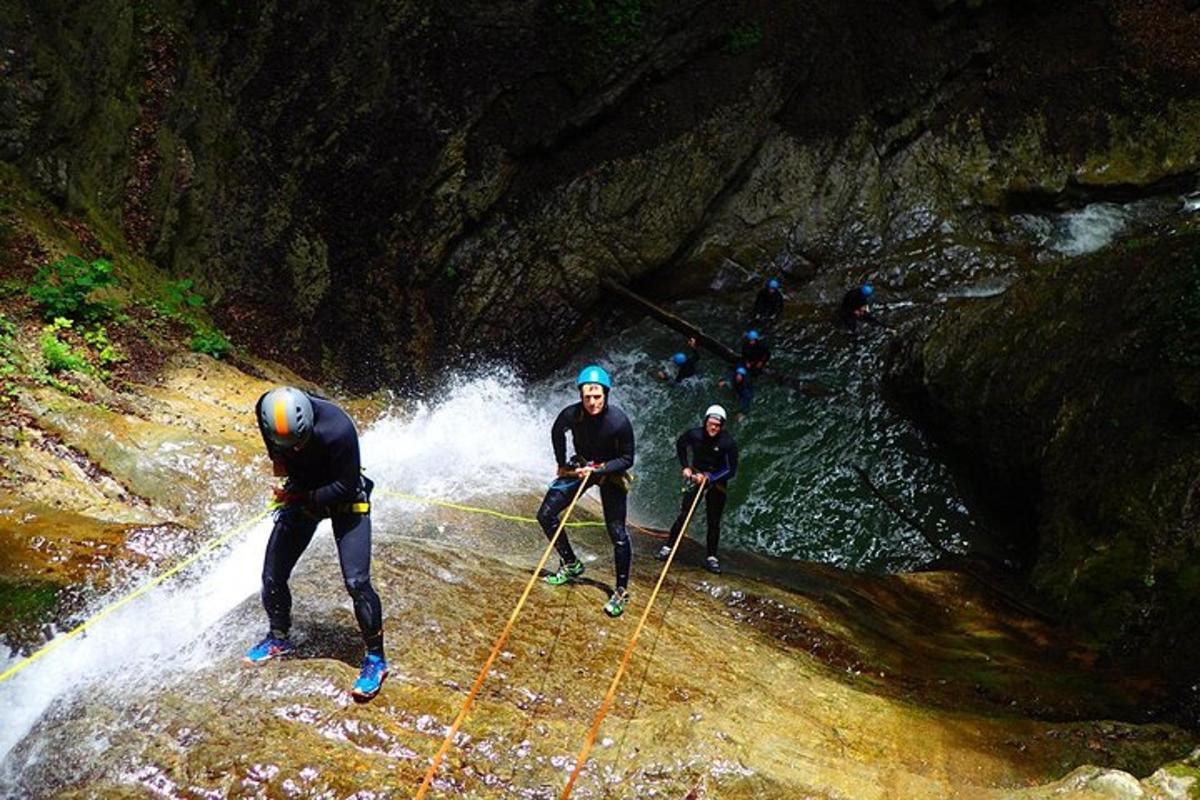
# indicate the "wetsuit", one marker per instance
pixel 688 368
pixel 328 470
pixel 768 305
pixel 605 439
pixel 744 391
pixel 718 456
pixel 853 310
pixel 755 355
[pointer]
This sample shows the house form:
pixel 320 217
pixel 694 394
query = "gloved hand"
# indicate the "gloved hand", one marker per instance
pixel 286 498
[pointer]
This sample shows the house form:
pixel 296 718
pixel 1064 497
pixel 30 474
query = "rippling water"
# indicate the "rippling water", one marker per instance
pixel 795 495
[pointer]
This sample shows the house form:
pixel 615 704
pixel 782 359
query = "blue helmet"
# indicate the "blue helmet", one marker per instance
pixel 868 290
pixel 752 336
pixel 679 358
pixel 773 284
pixel 741 371
pixel 594 374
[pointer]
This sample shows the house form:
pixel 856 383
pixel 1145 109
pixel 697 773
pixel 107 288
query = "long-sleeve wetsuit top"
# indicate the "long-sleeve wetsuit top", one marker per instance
pixel 755 354
pixel 768 303
pixel 604 438
pixel 712 454
pixel 688 368
pixel 328 465
pixel 852 301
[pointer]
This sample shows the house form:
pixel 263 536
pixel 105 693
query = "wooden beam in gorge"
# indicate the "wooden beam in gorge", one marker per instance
pixel 671 320
pixel 709 343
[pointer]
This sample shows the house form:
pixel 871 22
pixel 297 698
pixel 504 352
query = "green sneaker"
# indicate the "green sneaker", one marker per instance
pixel 565 573
pixel 615 606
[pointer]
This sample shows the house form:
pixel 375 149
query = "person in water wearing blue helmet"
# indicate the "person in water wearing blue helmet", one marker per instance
pixel 768 305
pixel 603 441
pixel 685 362
pixel 755 352
pixel 313 445
pixel 739 381
pixel 854 310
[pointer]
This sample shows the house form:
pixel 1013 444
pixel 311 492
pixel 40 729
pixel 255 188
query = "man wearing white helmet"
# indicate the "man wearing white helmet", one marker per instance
pixel 713 453
pixel 313 444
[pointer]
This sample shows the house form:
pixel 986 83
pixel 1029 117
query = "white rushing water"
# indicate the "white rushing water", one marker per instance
pixel 484 436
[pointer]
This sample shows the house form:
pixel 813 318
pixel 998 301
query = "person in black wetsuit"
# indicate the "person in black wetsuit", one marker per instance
pixel 312 443
pixel 853 308
pixel 603 440
pixel 755 352
pixel 713 453
pixel 685 362
pixel 739 381
pixel 768 305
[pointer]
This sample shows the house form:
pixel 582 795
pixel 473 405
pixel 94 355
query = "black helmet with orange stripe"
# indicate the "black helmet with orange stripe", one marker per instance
pixel 285 416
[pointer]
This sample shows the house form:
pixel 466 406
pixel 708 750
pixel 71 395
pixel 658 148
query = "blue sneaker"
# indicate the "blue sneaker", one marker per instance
pixel 374 671
pixel 268 648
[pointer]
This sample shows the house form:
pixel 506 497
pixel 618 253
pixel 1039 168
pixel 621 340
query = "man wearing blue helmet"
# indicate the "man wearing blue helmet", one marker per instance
pixel 739 381
pixel 768 305
pixel 603 440
pixel 755 352
pixel 853 309
pixel 685 362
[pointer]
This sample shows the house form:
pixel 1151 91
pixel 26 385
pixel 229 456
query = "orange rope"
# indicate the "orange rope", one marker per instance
pixel 612 689
pixel 462 714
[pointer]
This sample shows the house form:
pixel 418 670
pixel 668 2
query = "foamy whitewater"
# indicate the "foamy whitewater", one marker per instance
pixel 483 437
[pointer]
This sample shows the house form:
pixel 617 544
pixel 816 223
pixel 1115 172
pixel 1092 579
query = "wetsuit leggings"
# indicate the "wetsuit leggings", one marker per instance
pixel 292 533
pixel 613 499
pixel 714 507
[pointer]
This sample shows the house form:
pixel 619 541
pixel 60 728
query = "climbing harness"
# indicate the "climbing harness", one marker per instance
pixel 612 689
pixel 487 665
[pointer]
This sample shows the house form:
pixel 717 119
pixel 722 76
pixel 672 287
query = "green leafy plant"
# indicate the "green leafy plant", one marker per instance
pixel 746 36
pixel 58 355
pixel 209 341
pixel 180 297
pixel 8 359
pixel 65 289
pixel 105 351
pixel 616 22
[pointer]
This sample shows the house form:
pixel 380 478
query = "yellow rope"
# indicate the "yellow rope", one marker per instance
pixel 512 619
pixel 58 641
pixel 477 510
pixel 612 689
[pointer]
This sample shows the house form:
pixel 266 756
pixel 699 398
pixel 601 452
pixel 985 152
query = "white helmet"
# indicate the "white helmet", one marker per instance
pixel 715 411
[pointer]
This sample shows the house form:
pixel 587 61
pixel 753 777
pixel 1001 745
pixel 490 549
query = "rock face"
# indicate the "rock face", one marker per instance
pixel 812 683
pixel 1073 398
pixel 376 192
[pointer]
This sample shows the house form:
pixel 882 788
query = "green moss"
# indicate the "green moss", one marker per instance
pixel 26 603
pixel 1146 147
pixel 307 264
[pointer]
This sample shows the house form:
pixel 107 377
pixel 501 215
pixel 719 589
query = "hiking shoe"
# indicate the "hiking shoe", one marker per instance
pixel 565 573
pixel 370 679
pixel 664 552
pixel 712 565
pixel 268 648
pixel 615 606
